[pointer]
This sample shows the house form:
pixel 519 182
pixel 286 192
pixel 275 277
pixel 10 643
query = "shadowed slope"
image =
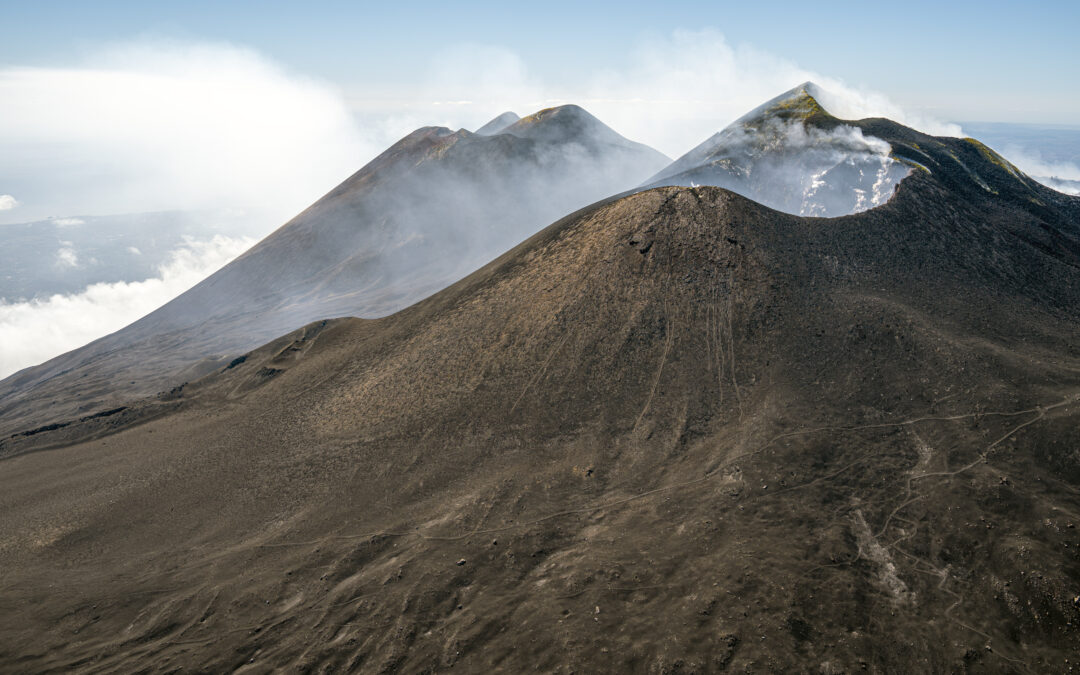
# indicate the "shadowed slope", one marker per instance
pixel 676 430
pixel 432 208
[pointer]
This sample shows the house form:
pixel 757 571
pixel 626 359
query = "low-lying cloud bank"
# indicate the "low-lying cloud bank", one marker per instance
pixel 1061 176
pixel 32 332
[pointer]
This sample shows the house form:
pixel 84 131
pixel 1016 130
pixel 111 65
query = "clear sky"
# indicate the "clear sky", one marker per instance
pixel 989 60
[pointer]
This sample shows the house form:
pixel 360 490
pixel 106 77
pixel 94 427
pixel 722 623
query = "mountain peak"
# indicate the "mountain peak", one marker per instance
pixel 563 123
pixel 566 111
pixel 792 155
pixel 572 124
pixel 498 124
pixel 799 103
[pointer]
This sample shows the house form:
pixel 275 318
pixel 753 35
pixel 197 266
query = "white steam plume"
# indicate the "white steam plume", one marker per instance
pixel 146 127
pixel 679 90
pixel 670 93
pixel 792 168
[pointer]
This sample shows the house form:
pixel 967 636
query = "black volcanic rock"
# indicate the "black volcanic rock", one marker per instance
pixel 792 155
pixel 498 124
pixel 674 432
pixel 430 209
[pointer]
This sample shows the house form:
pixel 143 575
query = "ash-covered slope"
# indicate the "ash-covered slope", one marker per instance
pixel 432 208
pixel 792 155
pixel 674 432
pixel 497 124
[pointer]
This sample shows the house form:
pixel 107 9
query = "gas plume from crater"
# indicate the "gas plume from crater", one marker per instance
pixel 792 155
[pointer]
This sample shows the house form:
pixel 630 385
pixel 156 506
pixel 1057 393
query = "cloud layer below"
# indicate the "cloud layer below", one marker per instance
pixel 32 332
pixel 1062 176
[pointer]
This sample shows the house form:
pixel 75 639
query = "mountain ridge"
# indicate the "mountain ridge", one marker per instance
pixel 673 431
pixel 792 154
pixel 426 211
pixel 835 434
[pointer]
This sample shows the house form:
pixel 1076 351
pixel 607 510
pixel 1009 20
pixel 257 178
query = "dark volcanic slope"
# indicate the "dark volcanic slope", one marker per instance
pixel 676 432
pixel 432 208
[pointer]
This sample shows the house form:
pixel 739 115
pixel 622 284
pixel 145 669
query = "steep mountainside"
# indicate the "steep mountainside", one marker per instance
pixel 432 208
pixel 673 432
pixel 497 124
pixel 792 155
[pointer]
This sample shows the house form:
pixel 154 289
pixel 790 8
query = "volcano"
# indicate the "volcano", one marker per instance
pixel 675 431
pixel 432 208
pixel 792 155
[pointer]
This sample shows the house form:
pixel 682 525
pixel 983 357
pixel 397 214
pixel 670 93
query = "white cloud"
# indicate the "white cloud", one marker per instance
pixel 66 257
pixel 671 93
pixel 156 126
pixel 32 332
pixel 1062 176
pixel 173 126
pixel 1065 186
pixel 470 74
pixel 68 222
pixel 134 250
pixel 7 202
pixel 679 90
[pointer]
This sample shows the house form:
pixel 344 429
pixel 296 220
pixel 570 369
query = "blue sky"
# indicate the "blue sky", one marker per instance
pixel 989 60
